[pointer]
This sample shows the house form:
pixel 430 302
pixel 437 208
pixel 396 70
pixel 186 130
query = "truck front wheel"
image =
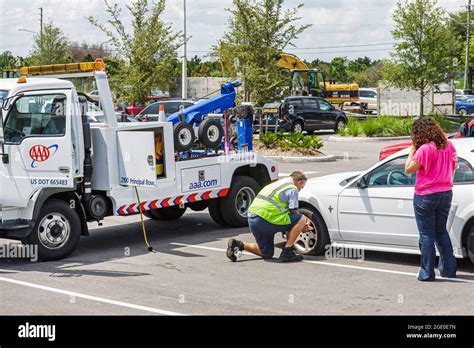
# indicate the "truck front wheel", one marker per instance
pixel 57 231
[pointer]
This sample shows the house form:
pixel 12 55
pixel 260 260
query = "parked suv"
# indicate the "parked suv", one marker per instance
pixel 298 114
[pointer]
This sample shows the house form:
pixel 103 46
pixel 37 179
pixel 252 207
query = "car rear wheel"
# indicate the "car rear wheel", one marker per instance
pixel 470 244
pixel 314 242
pixel 462 112
pixel 340 125
pixel 297 127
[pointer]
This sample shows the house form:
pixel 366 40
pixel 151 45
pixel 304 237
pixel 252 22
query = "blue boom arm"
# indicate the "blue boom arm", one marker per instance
pixel 194 114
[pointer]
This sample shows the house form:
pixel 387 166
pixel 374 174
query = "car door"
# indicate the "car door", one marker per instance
pixel 381 210
pixel 295 109
pixel 38 142
pixel 327 115
pixel 311 113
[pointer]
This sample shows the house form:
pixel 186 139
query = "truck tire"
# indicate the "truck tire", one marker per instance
pixel 215 212
pixel 210 133
pixel 198 206
pixel 57 231
pixel 183 137
pixel 243 191
pixel 313 243
pixel 167 214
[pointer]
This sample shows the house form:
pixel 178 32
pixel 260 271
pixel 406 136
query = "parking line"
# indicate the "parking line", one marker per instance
pixel 460 280
pixel 91 298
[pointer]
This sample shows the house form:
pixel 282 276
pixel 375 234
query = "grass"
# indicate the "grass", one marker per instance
pixel 298 142
pixel 387 126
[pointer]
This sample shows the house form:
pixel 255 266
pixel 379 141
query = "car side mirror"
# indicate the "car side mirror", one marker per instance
pixel 362 183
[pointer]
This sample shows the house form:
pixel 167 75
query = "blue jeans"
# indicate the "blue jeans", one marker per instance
pixel 431 214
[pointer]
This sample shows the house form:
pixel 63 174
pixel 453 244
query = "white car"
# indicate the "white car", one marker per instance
pixel 368 96
pixel 373 210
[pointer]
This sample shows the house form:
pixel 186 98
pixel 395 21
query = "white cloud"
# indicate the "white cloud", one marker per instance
pixel 335 23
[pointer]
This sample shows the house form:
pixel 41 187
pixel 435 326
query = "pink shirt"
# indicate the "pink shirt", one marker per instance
pixel 437 171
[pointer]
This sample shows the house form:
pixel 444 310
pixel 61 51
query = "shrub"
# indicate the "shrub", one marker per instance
pixel 291 141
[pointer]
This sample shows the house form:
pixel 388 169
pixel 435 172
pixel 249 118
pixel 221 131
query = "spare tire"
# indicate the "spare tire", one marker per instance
pixel 183 136
pixel 210 133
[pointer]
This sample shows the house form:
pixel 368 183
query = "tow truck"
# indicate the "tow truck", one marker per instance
pixel 58 172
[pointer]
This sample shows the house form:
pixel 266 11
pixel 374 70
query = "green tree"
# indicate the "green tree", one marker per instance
pixel 9 61
pixel 425 48
pixel 258 31
pixel 148 52
pixel 339 70
pixel 49 48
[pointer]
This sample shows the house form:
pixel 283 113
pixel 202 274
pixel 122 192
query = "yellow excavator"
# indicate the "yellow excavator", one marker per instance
pixel 312 82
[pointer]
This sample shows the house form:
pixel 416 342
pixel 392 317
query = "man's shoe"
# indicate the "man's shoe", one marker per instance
pixel 234 246
pixel 288 255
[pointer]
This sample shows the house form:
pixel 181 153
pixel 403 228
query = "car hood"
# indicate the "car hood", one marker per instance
pixel 328 184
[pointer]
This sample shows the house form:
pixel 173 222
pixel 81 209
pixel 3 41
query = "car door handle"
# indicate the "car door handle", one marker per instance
pixel 65 170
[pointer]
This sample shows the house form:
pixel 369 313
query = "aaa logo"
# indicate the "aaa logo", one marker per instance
pixel 41 153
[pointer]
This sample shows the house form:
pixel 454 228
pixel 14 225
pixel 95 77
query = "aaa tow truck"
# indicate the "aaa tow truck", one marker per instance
pixel 58 172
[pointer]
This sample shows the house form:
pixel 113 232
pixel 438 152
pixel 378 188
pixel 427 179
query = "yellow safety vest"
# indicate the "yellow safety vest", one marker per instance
pixel 268 205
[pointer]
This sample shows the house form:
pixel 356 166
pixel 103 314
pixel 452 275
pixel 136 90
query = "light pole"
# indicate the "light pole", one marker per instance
pixel 467 78
pixel 28 31
pixel 185 56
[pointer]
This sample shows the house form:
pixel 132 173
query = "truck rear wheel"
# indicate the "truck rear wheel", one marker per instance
pixel 167 214
pixel 215 211
pixel 57 231
pixel 243 191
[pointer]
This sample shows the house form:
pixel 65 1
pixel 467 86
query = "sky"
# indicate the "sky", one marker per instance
pixel 352 28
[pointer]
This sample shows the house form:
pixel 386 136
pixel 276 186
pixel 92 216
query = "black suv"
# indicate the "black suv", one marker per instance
pixel 298 114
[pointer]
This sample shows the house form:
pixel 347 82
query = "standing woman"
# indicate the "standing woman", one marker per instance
pixel 433 158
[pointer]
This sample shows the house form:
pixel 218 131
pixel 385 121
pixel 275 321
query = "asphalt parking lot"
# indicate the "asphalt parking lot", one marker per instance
pixel 113 274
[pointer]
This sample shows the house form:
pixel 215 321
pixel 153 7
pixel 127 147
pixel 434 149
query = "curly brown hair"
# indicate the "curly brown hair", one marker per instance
pixel 426 130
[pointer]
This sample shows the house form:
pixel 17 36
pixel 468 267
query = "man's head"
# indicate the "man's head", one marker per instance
pixel 299 179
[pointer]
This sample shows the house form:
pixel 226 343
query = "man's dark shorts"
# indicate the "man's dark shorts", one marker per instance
pixel 264 232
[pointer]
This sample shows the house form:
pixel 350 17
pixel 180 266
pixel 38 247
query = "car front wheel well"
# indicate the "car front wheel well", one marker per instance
pixel 306 205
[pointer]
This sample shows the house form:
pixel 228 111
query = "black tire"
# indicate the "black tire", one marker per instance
pixel 215 212
pixel 54 215
pixel 470 244
pixel 462 112
pixel 340 124
pixel 198 206
pixel 167 214
pixel 210 133
pixel 147 214
pixel 297 126
pixel 183 136
pixel 243 191
pixel 322 235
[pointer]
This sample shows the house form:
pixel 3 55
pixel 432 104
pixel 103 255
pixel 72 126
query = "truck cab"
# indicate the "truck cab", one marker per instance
pixel 59 172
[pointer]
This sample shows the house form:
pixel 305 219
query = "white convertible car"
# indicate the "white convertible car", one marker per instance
pixel 373 210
